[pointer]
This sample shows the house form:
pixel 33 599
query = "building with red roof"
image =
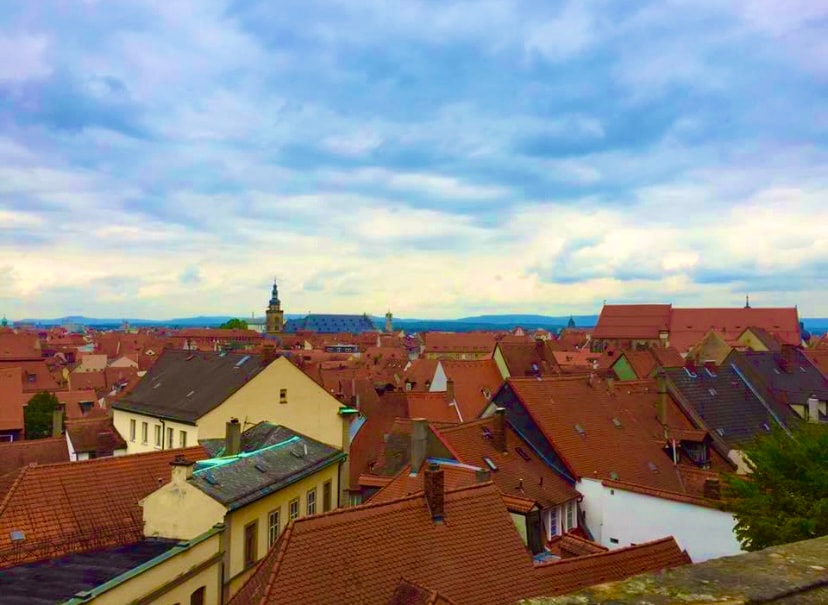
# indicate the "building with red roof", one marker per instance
pixel 458 345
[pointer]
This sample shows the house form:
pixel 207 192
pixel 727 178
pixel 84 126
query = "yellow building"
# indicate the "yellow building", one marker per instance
pixel 256 483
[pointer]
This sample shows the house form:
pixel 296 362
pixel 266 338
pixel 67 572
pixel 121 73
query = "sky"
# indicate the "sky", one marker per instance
pixel 440 159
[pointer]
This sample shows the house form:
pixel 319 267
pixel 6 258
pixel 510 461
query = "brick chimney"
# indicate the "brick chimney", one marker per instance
pixel 419 443
pixel 482 475
pixel 232 439
pixel 182 470
pixel 450 390
pixel 788 358
pixel 499 429
pixel 435 492
pixel 57 422
pixel 813 409
pixel 661 401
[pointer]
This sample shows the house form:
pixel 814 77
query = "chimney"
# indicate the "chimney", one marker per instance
pixel 789 358
pixel 57 422
pixel 661 401
pixel 813 409
pixel 499 430
pixel 232 439
pixel 481 475
pixel 450 390
pixel 182 470
pixel 712 489
pixel 268 353
pixel 419 443
pixel 435 491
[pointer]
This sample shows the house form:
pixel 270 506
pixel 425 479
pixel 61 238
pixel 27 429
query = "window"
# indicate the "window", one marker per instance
pixel 132 430
pixel 144 431
pixel 570 516
pixel 182 438
pixel 553 521
pixel 197 598
pixel 312 501
pixel 273 527
pixel 282 395
pixel 250 531
pixel 157 428
pixel 326 496
pixel 294 508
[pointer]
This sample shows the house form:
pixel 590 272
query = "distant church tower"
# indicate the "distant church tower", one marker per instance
pixel 389 326
pixel 275 316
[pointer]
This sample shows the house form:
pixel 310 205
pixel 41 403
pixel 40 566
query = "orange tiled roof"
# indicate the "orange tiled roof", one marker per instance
pixel 431 406
pixel 529 359
pixel 96 434
pixel 515 476
pixel 632 322
pixel 405 483
pixel 36 375
pixel 454 557
pixel 819 359
pixel 568 575
pixel 578 417
pixel 569 545
pixel 77 506
pixel 420 372
pixel 475 383
pixel 17 454
pixel 19 347
pixel 688 326
pixel 71 401
pixel 12 399
pixel 459 342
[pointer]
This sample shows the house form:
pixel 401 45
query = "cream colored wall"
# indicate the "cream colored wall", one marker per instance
pixel 165 576
pixel 124 362
pixel 738 458
pixel 309 409
pixel 181 511
pixel 501 363
pixel 121 420
pixel 259 511
pixel 520 525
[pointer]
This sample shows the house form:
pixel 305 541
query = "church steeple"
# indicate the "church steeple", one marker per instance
pixel 389 322
pixel 274 316
pixel 747 301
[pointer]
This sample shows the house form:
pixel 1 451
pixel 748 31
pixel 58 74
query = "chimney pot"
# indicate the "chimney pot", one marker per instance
pixel 232 440
pixel 435 492
pixel 499 430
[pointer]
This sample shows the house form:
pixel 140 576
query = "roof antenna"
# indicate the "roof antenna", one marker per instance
pixel 747 301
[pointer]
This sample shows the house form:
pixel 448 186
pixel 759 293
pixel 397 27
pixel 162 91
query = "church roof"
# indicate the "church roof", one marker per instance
pixel 330 324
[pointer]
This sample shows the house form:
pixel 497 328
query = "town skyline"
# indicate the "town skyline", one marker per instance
pixel 160 160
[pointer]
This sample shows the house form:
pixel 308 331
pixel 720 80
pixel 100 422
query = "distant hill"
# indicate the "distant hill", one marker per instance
pixel 815 326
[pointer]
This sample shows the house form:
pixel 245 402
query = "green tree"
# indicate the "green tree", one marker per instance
pixel 234 324
pixel 37 415
pixel 785 498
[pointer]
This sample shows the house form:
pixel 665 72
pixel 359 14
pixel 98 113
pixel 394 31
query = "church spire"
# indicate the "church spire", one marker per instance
pixel 274 316
pixel 274 295
pixel 747 301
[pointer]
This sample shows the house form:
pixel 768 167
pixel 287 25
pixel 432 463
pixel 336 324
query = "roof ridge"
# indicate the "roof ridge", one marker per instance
pixel 113 459
pixel 464 425
pixel 7 497
pixel 614 551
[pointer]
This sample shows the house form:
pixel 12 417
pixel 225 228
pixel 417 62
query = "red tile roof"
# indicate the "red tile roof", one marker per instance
pixel 36 375
pixel 71 401
pixel 819 358
pixel 78 506
pixel 529 359
pixel 688 326
pixel 17 454
pixel 431 406
pixel 569 575
pixel 447 343
pixel 12 399
pixel 421 373
pixel 515 476
pixel 454 557
pixel 405 483
pixel 19 347
pixel 578 417
pixel 632 322
pixel 94 435
pixel 569 545
pixel 475 383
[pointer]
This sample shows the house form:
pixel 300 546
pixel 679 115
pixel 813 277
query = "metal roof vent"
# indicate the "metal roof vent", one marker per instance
pixel 17 535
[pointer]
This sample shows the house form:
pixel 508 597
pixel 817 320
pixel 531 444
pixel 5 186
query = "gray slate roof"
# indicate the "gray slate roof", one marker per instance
pixel 272 457
pixel 786 381
pixel 331 324
pixel 185 385
pixel 726 405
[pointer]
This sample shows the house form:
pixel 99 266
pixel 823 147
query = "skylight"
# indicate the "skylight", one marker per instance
pixel 522 453
pixel 241 361
pixel 712 392
pixel 490 463
pixel 617 423
pixel 690 373
pixel 652 466
pixel 579 429
pixel 721 431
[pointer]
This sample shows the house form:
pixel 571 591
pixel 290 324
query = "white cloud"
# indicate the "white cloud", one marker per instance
pixel 23 57
pixel 569 34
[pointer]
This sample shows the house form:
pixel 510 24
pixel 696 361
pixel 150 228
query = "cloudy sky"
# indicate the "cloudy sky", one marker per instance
pixel 167 158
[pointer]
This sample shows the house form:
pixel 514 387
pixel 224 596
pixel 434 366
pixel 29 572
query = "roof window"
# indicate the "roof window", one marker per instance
pixel 710 372
pixel 522 453
pixel 721 431
pixel 617 423
pixel 690 373
pixel 712 392
pixel 652 466
pixel 210 478
pixel 241 361
pixel 613 475
pixel 486 432
pixel 580 430
pixel 490 463
pixel 17 535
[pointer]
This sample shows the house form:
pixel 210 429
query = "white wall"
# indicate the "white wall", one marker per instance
pixel 614 515
pixel 439 383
